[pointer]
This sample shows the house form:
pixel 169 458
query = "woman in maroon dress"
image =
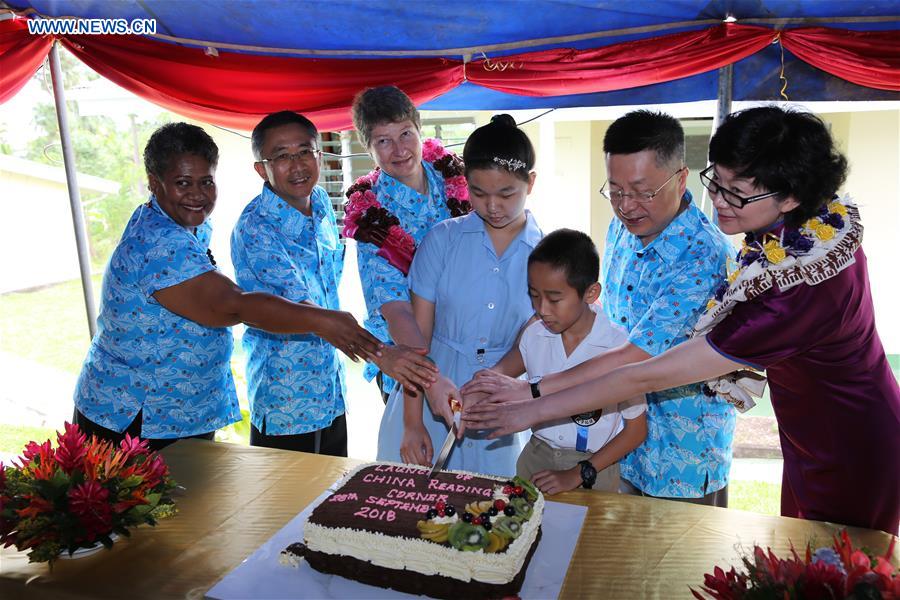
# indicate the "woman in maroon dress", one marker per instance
pixel 797 305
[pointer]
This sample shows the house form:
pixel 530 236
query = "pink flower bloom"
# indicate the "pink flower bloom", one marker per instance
pixel 133 446
pixel 90 503
pixel 432 149
pixel 370 178
pixel 71 448
pixel 39 459
pixel 155 471
pixel 858 558
pixel 34 450
pixel 359 203
pixel 356 207
pixel 456 187
pixel 823 580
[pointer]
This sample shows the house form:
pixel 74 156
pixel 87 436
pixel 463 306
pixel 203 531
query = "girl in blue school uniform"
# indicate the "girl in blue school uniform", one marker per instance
pixel 468 287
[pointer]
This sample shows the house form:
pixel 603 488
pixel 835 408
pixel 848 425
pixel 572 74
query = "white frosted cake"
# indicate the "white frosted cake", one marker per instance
pixel 458 535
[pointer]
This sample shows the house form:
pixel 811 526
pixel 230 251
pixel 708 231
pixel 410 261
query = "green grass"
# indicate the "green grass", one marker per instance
pixel 14 437
pixel 47 325
pixel 755 496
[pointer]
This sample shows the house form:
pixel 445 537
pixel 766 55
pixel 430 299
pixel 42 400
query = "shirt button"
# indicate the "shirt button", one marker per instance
pixel 623 319
pixel 490 305
pixel 470 444
pixel 630 288
pixel 496 269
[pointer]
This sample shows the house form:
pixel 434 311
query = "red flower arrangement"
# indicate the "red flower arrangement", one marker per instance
pixel 81 492
pixel 366 220
pixel 837 572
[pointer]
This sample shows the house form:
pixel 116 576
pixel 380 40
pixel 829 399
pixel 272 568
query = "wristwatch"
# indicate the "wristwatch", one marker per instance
pixel 535 390
pixel 588 474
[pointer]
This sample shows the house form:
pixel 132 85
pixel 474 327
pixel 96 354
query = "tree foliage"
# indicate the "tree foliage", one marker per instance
pixel 102 148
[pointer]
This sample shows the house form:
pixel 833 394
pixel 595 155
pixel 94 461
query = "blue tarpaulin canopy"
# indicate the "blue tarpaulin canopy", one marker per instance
pixel 468 29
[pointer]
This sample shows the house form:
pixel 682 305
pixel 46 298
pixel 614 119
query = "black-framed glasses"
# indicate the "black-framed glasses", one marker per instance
pixel 286 158
pixel 735 200
pixel 618 196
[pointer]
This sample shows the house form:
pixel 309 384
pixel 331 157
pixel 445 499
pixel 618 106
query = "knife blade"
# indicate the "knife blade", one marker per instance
pixel 441 459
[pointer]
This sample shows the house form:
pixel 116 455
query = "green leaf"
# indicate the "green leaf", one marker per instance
pixel 131 482
pixel 59 480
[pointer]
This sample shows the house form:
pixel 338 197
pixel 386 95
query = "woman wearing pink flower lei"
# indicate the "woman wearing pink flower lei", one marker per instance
pixel 798 305
pixel 415 186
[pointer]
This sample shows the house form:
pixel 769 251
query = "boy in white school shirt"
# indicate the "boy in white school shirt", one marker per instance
pixel 569 328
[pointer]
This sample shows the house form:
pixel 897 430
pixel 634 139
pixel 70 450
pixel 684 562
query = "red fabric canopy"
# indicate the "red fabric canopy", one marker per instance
pixel 869 58
pixel 20 56
pixel 237 90
pixel 620 66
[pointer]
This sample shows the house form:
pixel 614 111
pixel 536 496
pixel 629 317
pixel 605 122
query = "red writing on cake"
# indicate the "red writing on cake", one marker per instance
pixel 434 484
pixel 417 496
pixel 398 469
pixel 369 512
pixel 344 497
pixel 398 504
pixel 392 480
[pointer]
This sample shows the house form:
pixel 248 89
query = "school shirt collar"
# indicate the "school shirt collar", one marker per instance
pixel 601 335
pixel 530 235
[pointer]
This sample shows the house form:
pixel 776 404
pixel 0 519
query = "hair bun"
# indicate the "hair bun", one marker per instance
pixel 503 120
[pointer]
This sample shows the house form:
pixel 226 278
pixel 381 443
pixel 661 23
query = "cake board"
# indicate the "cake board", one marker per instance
pixel 261 575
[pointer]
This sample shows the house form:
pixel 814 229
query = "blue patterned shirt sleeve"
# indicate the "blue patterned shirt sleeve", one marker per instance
pixel 418 213
pixel 173 258
pixel 382 282
pixel 146 358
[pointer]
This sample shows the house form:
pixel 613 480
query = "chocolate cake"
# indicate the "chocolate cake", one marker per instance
pixel 458 535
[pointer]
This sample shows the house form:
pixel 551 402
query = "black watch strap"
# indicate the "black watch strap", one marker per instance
pixel 588 474
pixel 535 390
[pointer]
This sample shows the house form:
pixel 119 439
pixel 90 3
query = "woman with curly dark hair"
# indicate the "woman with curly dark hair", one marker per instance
pixel 798 305
pixel 159 365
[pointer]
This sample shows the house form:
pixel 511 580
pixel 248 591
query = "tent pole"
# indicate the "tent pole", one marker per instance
pixel 723 104
pixel 81 238
pixel 723 109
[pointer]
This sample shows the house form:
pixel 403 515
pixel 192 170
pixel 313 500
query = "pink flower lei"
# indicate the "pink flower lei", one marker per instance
pixel 366 220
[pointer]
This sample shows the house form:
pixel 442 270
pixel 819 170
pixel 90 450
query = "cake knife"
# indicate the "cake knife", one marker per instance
pixel 447 447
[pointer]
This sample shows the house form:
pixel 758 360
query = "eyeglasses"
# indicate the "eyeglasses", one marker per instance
pixel 728 196
pixel 286 158
pixel 618 196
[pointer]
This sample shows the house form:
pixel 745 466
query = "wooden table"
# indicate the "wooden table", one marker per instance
pixel 237 497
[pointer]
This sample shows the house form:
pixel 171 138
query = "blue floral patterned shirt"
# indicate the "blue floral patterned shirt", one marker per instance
pixel 295 383
pixel 657 293
pixel 146 357
pixel 381 282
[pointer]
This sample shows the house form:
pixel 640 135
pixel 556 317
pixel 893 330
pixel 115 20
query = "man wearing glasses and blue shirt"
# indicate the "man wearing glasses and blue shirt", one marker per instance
pixel 662 263
pixel 286 243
